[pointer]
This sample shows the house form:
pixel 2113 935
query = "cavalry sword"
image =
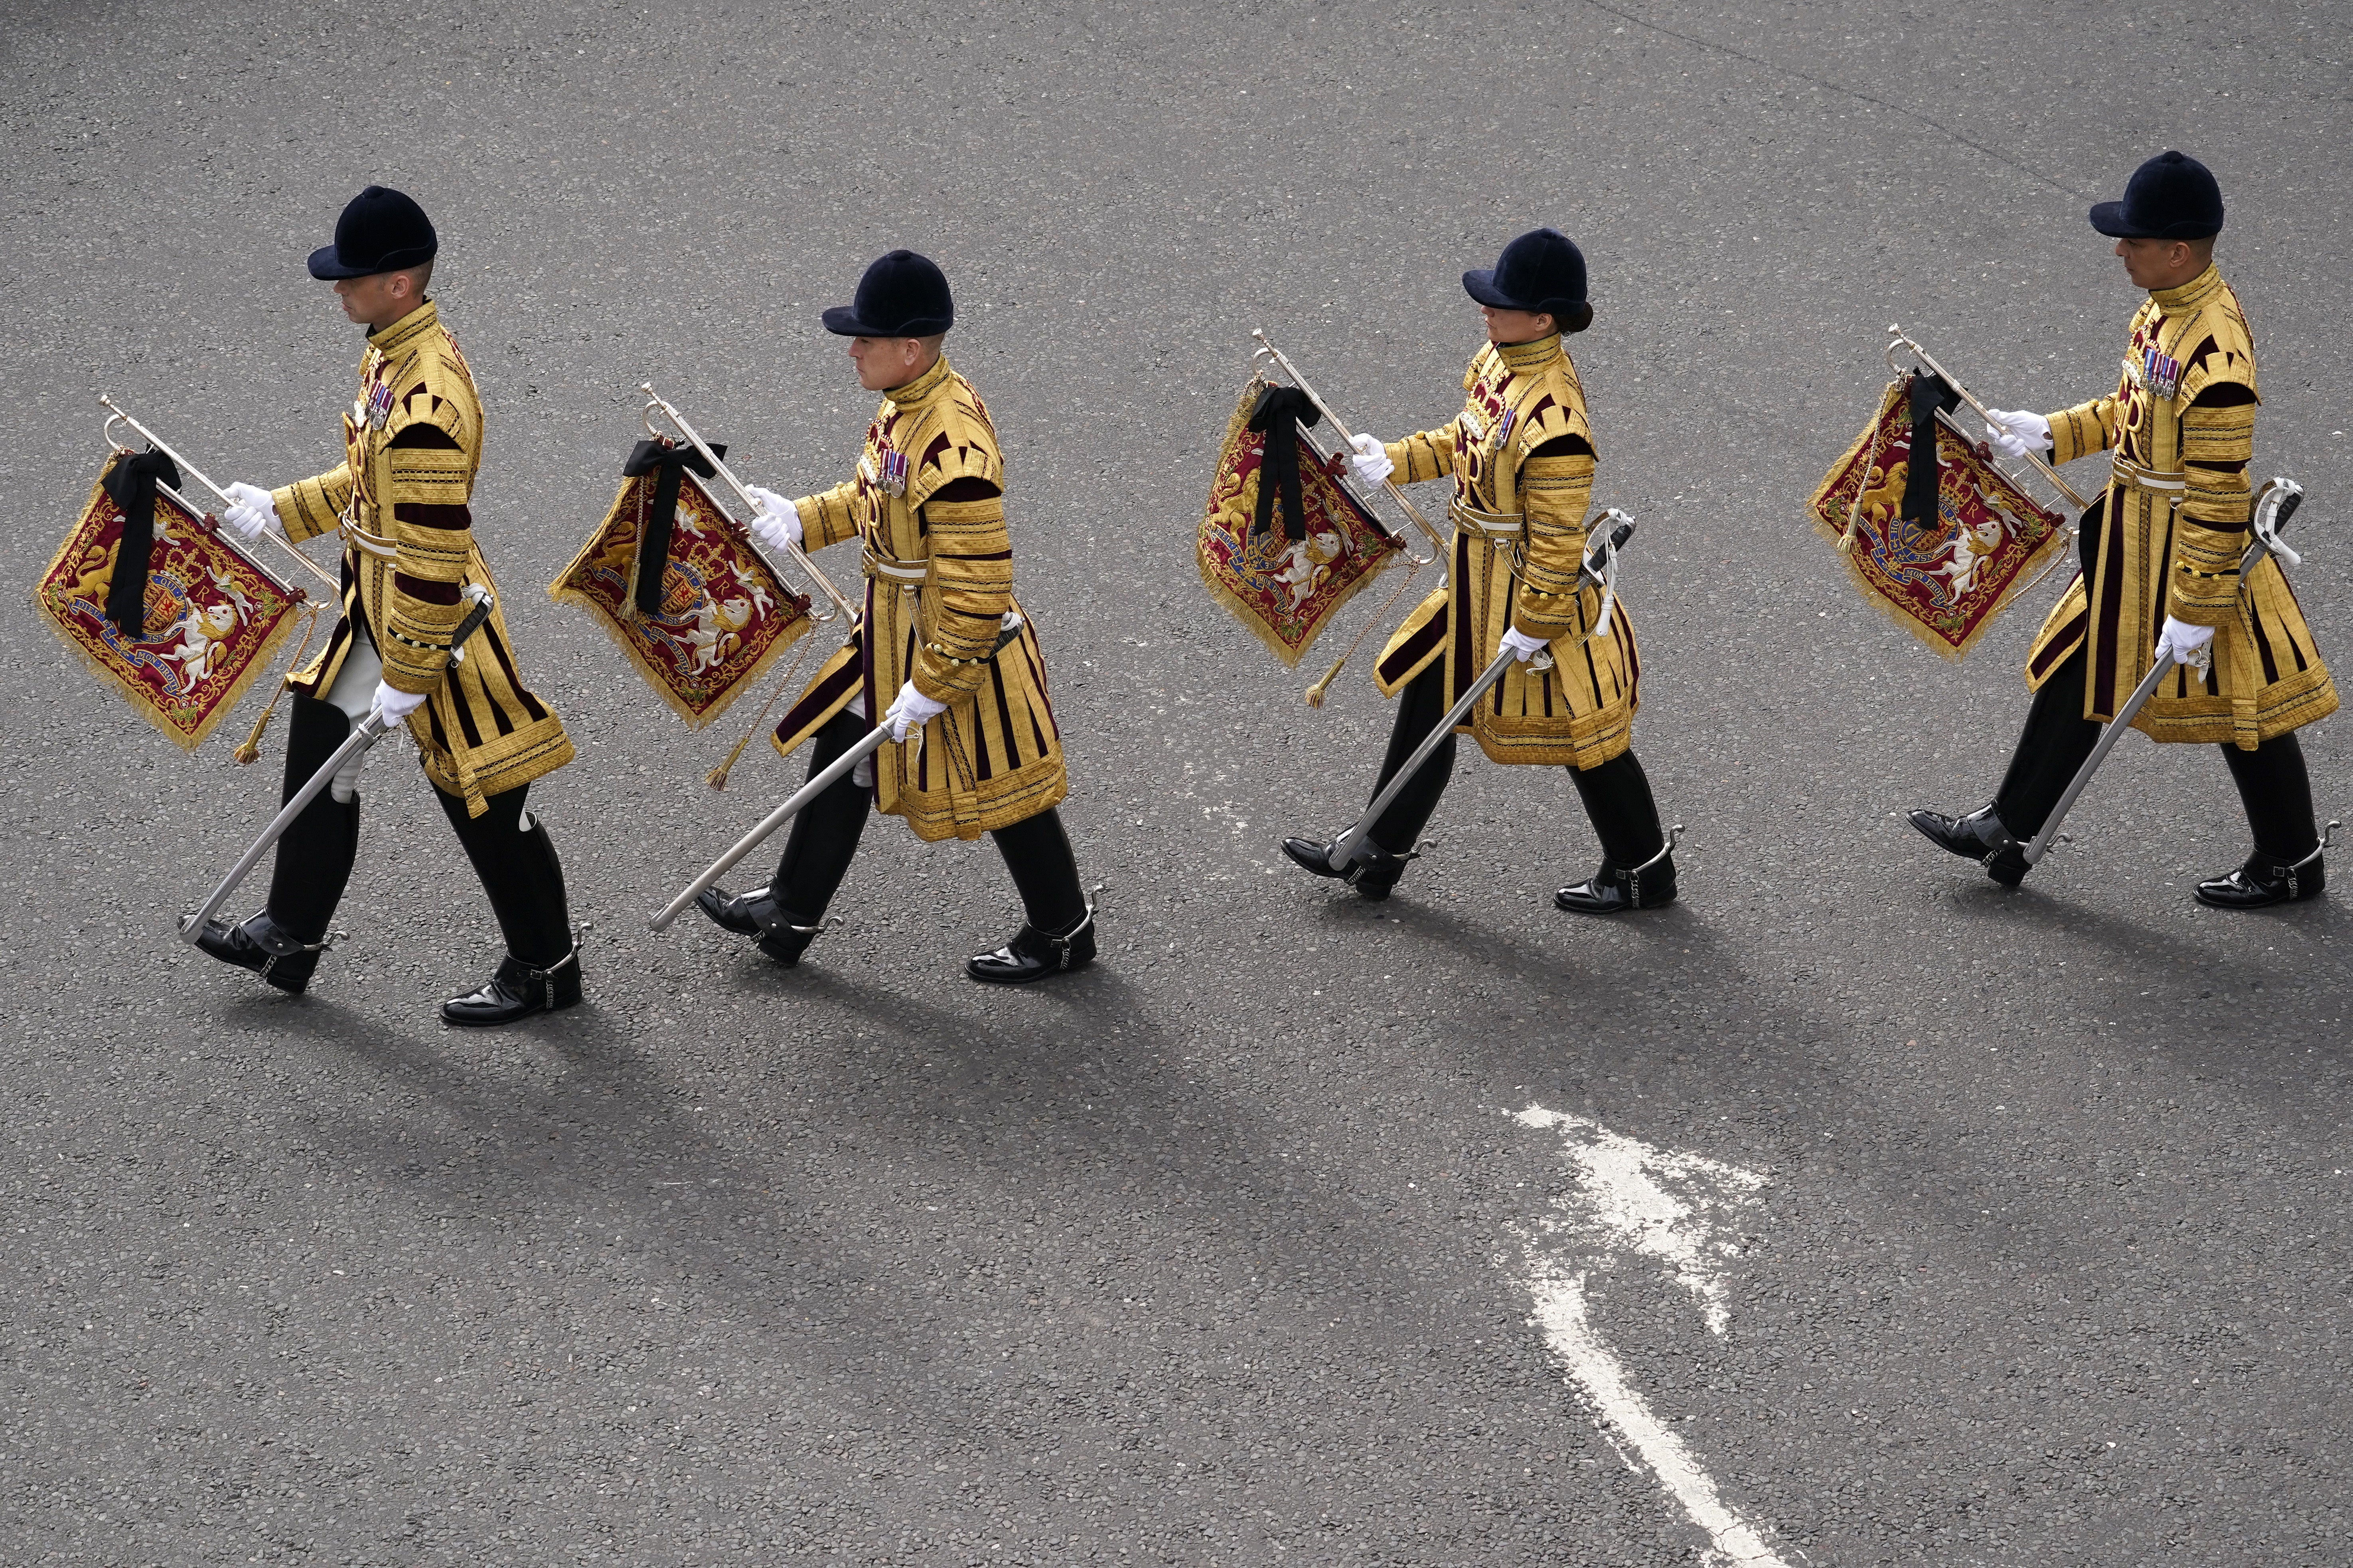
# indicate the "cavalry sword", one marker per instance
pixel 1357 843
pixel 370 730
pixel 2280 499
pixel 829 775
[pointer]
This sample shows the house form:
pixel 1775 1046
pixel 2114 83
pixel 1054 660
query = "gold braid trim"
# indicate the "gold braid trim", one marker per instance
pixel 2085 428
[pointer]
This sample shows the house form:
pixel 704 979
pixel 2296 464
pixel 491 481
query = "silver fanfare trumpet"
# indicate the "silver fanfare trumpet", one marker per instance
pixel 806 568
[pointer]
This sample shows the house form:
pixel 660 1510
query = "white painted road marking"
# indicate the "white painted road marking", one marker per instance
pixel 1635 1200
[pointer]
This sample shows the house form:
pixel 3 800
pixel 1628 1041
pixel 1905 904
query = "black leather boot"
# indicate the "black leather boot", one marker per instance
pixel 2267 880
pixel 1614 889
pixel 1981 837
pixel 1032 955
pixel 258 945
pixel 1373 877
pixel 516 991
pixel 757 914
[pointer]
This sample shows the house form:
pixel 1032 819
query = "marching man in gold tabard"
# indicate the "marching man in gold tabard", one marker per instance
pixel 942 651
pixel 401 500
pixel 1521 457
pixel 2160 579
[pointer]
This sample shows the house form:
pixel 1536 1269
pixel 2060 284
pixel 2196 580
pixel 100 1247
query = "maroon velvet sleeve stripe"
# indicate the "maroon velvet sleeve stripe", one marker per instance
pixel 424 514
pixel 963 556
pixel 965 489
pixel 421 435
pixel 430 592
pixel 1563 446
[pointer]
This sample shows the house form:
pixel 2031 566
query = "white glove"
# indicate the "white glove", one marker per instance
pixel 1372 464
pixel 2016 432
pixel 2189 644
pixel 910 711
pixel 1527 648
pixel 251 513
pixel 777 522
pixel 394 704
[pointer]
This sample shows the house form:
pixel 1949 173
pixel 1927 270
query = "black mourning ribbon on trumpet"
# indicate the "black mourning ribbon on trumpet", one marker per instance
pixel 130 480
pixel 663 460
pixel 1279 413
pixel 1928 393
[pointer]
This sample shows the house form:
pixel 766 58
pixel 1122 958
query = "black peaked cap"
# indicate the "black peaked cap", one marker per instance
pixel 1542 269
pixel 2171 197
pixel 901 295
pixel 380 231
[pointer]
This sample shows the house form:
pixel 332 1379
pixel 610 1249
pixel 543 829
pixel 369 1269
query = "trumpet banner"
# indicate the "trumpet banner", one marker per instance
pixel 724 616
pixel 1284 590
pixel 1947 581
pixel 210 623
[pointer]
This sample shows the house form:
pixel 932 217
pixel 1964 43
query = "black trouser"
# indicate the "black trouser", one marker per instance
pixel 1616 794
pixel 516 862
pixel 824 838
pixel 2273 784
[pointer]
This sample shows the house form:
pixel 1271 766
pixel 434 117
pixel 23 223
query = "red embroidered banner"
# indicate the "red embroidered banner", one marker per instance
pixel 724 617
pixel 212 619
pixel 1284 590
pixel 1948 580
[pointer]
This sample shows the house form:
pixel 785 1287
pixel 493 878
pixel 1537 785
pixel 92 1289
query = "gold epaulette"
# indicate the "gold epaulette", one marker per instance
pixel 432 386
pixel 950 437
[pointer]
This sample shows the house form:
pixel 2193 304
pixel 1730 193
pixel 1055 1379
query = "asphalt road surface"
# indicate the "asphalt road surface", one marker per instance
pixel 2024 1214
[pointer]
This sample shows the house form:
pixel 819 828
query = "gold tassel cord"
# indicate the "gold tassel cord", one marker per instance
pixel 251 749
pixel 717 777
pixel 1316 693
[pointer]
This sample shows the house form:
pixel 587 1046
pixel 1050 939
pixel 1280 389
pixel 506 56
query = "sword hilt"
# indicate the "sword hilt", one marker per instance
pixel 479 598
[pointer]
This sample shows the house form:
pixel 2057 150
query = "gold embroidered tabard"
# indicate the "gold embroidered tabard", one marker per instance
pixel 927 507
pixel 1519 536
pixel 402 499
pixel 2167 535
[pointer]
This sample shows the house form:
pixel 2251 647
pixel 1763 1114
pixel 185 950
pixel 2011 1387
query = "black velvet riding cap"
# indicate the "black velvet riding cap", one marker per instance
pixel 1542 269
pixel 380 231
pixel 2171 197
pixel 901 295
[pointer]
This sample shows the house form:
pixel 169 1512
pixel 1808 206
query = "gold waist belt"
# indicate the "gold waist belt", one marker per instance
pixel 2132 476
pixel 889 571
pixel 1491 523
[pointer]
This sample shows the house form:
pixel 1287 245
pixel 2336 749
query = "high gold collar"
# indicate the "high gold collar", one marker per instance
pixel 919 391
pixel 1530 355
pixel 389 341
pixel 2190 296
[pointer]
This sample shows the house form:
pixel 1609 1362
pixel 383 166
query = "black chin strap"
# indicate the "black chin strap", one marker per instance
pixel 1279 414
pixel 663 460
pixel 130 480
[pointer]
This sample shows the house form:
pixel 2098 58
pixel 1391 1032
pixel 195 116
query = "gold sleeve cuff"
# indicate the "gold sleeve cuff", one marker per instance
pixel 2087 428
pixel 309 507
pixel 2205 587
pixel 1426 454
pixel 826 517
